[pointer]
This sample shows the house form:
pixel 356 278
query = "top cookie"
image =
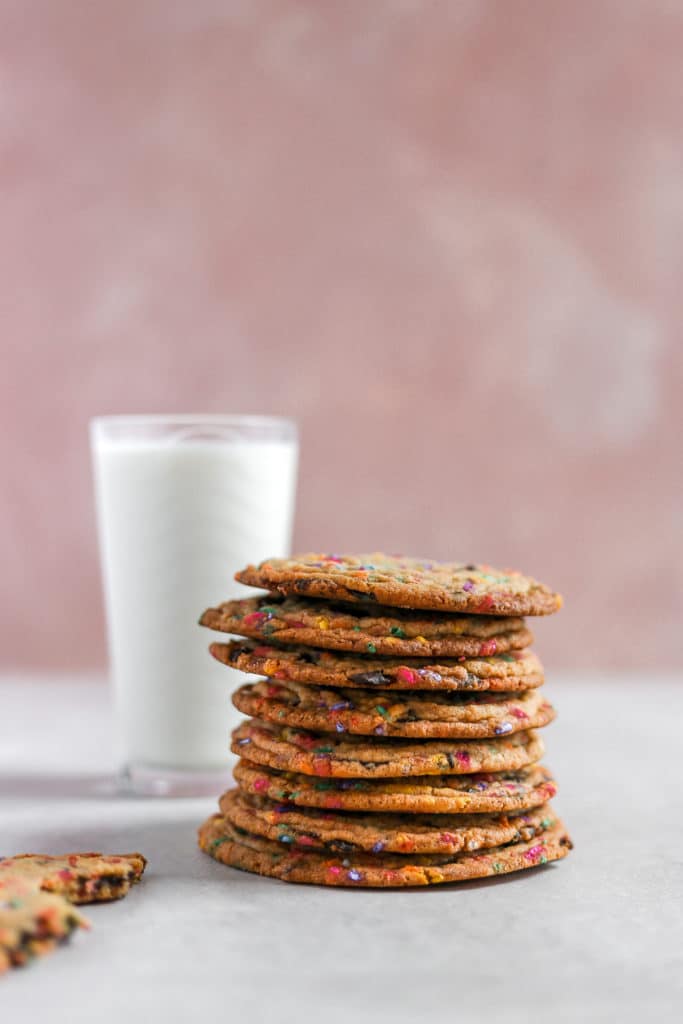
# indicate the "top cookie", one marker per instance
pixel 405 583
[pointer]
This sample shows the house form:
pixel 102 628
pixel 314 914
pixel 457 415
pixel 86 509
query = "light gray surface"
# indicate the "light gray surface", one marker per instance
pixel 597 937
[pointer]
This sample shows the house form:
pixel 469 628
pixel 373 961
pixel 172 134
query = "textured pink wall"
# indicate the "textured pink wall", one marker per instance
pixel 447 237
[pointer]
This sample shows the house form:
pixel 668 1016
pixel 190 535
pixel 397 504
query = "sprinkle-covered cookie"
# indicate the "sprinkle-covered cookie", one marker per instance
pixel 519 670
pixel 32 922
pixel 360 757
pixel 483 792
pixel 404 582
pixel 368 629
pixel 344 832
pixel 225 843
pixel 80 877
pixel 449 715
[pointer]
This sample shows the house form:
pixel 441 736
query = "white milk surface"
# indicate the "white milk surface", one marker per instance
pixel 176 520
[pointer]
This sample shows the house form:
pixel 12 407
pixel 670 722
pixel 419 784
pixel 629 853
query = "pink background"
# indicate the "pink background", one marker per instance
pixel 447 237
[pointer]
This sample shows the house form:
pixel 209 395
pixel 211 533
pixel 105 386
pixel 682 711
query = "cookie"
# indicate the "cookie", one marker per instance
pixel 359 757
pixel 405 583
pixel 381 713
pixel 370 629
pixel 80 877
pixel 520 670
pixel 32 922
pixel 225 843
pixel 483 792
pixel 345 832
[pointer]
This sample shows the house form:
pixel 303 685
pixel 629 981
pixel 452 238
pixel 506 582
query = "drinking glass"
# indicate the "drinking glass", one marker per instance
pixel 183 502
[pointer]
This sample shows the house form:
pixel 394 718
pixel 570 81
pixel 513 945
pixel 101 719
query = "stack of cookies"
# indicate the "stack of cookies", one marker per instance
pixel 393 740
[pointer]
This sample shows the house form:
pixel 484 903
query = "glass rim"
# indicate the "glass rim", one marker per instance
pixel 283 426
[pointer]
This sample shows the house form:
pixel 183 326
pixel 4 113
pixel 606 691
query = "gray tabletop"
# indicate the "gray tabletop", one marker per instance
pixel 597 937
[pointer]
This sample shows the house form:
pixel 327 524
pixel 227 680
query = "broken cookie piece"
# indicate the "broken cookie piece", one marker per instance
pixel 79 877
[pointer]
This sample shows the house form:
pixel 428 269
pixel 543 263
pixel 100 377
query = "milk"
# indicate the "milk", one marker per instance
pixel 178 515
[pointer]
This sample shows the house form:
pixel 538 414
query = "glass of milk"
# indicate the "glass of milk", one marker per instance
pixel 183 502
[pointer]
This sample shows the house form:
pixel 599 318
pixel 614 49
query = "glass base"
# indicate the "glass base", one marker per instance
pixel 151 780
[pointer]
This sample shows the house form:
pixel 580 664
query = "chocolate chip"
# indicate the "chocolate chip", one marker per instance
pixel 340 846
pixel 363 595
pixel 309 657
pixel 370 678
pixel 407 716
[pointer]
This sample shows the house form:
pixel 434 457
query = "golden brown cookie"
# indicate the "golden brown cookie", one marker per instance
pixel 404 582
pixel 225 843
pixel 32 922
pixel 519 670
pixel 369 628
pixel 483 792
pixel 80 877
pixel 348 832
pixel 381 713
pixel 358 757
